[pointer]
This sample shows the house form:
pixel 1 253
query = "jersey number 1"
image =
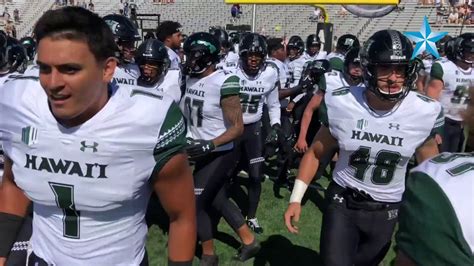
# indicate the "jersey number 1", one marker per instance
pixel 64 195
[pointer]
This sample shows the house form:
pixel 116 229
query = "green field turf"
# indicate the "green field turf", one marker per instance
pixel 279 247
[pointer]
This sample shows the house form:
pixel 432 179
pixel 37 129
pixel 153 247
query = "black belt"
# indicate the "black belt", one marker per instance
pixel 359 200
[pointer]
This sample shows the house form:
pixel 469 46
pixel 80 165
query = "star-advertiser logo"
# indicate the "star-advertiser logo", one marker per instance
pixel 425 39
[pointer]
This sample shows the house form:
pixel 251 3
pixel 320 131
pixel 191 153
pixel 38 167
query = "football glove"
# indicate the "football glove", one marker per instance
pixel 199 147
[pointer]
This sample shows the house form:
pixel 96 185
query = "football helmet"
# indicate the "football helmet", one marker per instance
pixel 202 51
pixel 125 33
pixel 252 44
pixel 152 58
pixel 295 47
pixel 223 38
pixel 352 57
pixel 313 41
pixel 13 56
pixel 464 47
pixel 346 42
pixel 30 46
pixel 441 44
pixel 387 47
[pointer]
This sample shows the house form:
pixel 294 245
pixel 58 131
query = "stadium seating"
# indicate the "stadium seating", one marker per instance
pixel 275 20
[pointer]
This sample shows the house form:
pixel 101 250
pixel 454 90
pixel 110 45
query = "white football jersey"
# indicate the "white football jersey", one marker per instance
pixel 318 56
pixel 174 59
pixel 374 149
pixel 171 85
pixel 229 62
pixel 283 74
pixel 90 184
pixel 201 105
pixel 334 80
pixel 295 69
pixel 126 74
pixel 455 93
pixel 438 205
pixel 254 91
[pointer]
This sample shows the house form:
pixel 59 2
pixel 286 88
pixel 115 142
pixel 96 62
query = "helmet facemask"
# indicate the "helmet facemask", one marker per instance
pixel 152 72
pixel 252 62
pixel 198 60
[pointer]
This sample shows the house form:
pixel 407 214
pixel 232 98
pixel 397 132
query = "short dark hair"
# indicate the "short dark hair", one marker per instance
pixel 77 23
pixel 167 28
pixel 274 44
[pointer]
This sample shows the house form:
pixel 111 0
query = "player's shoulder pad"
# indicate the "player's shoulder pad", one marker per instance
pixel 446 166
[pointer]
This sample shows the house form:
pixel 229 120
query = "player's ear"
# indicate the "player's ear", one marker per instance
pixel 109 66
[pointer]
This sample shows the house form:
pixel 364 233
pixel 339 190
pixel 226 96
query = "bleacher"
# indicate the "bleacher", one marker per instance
pixel 274 20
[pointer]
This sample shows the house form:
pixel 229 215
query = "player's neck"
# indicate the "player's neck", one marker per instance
pixel 378 104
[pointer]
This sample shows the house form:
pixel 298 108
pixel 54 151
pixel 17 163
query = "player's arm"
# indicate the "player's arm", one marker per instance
pixel 274 107
pixel 323 143
pixel 173 183
pixel 13 209
pixel 430 147
pixel 301 145
pixel 436 84
pixel 232 111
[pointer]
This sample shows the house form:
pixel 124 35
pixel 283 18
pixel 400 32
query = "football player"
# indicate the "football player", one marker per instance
pixel 64 139
pixel 449 85
pixel 377 130
pixel 228 58
pixel 13 58
pixel 258 84
pixel 435 225
pixel 313 49
pixel 126 35
pixel 344 44
pixel 152 58
pixel 350 76
pixel 212 109
pixel 169 33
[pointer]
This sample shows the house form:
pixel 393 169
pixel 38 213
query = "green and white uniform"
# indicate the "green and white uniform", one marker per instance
pixel 437 213
pixel 254 91
pixel 336 60
pixel 333 80
pixel 90 184
pixel 455 93
pixel 201 105
pixel 375 147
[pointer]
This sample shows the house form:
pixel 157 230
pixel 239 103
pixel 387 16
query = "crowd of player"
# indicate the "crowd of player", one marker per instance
pixel 102 129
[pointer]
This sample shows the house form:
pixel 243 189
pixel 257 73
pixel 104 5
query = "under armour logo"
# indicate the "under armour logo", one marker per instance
pixel 201 84
pixel 392 214
pixel 336 197
pixel 259 82
pixel 85 146
pixel 205 148
pixel 394 125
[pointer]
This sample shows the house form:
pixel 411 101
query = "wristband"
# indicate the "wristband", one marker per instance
pixel 298 191
pixel 9 226
pixel 180 263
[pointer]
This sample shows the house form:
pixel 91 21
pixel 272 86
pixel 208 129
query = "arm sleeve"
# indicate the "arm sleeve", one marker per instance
pixel 231 86
pixel 273 104
pixel 172 137
pixel 437 71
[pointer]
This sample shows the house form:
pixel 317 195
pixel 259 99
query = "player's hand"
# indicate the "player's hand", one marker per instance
pixel 438 139
pixel 274 136
pixel 301 146
pixel 292 216
pixel 3 261
pixel 290 107
pixel 199 147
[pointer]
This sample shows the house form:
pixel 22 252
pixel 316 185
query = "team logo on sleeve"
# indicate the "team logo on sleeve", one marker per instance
pixel 29 135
